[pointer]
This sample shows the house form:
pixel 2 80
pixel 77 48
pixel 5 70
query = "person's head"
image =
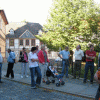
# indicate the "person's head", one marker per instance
pixel 77 47
pixel 37 47
pixel 33 49
pixel 9 50
pixel 24 49
pixel 91 47
pixel 66 48
pixel 43 47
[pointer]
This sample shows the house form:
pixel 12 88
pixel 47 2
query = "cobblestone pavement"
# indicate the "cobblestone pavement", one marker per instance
pixel 10 90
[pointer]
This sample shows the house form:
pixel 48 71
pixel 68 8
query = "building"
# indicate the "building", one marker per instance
pixel 22 35
pixel 3 23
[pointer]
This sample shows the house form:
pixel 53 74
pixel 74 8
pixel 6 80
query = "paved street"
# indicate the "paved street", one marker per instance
pixel 10 90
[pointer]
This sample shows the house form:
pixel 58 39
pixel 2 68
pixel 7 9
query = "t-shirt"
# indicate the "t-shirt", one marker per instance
pixel 65 54
pixel 78 54
pixel 32 56
pixel 90 53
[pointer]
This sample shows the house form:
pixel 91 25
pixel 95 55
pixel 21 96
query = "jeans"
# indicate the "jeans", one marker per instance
pixel 24 68
pixel 87 66
pixel 65 64
pixel 0 71
pixel 33 71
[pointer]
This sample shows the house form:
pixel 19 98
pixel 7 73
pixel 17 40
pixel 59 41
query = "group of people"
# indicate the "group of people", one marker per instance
pixel 38 62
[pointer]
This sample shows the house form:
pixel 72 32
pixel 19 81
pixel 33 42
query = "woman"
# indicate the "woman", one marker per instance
pixel 24 60
pixel 43 62
pixel 34 68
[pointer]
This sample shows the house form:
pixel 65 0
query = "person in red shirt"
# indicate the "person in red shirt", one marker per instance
pixel 90 56
pixel 43 61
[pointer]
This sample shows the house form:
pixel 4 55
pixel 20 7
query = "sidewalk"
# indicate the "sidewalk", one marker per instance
pixel 72 86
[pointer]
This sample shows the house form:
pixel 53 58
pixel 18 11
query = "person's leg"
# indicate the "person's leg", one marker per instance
pixel 86 71
pixel 26 69
pixel 79 68
pixel 92 71
pixel 75 68
pixel 38 80
pixel 63 68
pixel 67 65
pixel 42 70
pixel 8 70
pixel 0 71
pixel 22 69
pixel 32 70
pixel 45 69
pixel 12 73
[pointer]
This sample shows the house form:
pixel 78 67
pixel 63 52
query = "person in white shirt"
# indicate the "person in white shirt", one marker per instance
pixel 34 68
pixel 1 60
pixel 78 58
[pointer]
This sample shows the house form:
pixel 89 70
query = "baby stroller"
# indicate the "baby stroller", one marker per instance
pixel 52 73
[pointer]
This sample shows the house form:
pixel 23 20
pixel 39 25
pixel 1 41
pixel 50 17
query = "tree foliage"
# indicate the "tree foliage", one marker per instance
pixel 71 22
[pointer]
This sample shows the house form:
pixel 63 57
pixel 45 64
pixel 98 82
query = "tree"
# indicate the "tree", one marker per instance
pixel 71 22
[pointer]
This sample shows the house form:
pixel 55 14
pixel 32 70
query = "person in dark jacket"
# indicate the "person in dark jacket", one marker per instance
pixel 24 60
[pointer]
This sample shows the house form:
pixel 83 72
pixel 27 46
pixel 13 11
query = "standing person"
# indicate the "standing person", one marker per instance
pixel 78 59
pixel 34 68
pixel 65 60
pixel 90 56
pixel 43 62
pixel 1 61
pixel 11 62
pixel 24 61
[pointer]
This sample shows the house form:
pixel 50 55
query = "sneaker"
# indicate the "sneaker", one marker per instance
pixel 26 76
pixel 34 87
pixel 6 76
pixel 21 76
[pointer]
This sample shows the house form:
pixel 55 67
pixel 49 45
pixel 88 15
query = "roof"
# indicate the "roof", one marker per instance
pixel 4 16
pixel 20 28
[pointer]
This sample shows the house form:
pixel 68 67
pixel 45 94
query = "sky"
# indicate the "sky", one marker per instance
pixel 29 10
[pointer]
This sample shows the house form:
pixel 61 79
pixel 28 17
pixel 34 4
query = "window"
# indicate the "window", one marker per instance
pixel 33 42
pixel 11 42
pixel 11 31
pixel 21 42
pixel 27 42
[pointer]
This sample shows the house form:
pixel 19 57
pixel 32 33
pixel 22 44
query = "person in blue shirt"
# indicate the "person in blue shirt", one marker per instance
pixel 11 61
pixel 64 55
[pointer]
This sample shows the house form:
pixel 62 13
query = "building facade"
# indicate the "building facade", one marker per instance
pixel 3 23
pixel 22 35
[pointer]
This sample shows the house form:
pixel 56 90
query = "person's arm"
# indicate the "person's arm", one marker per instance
pixel 60 54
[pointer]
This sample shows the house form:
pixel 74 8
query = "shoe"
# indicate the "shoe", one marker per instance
pixel 1 82
pixel 6 76
pixel 21 76
pixel 26 76
pixel 84 81
pixel 34 87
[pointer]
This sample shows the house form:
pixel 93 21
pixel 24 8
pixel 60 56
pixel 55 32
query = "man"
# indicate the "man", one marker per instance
pixel 90 56
pixel 78 58
pixel 11 60
pixel 1 60
pixel 65 60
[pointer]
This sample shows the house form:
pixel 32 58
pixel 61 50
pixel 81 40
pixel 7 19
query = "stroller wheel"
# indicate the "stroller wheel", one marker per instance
pixel 57 84
pixel 53 81
pixel 62 83
pixel 47 82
